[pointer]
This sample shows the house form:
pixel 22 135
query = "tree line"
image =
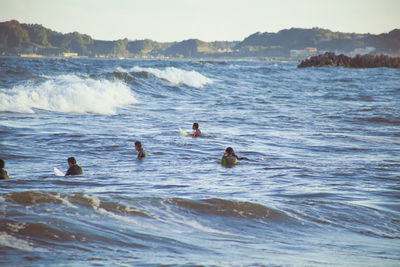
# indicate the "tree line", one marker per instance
pixel 17 38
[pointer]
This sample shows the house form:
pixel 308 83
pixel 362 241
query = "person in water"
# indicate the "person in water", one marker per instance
pixel 3 173
pixel 229 158
pixel 140 150
pixel 74 169
pixel 196 130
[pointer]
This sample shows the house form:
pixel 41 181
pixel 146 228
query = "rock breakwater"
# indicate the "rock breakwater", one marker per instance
pixel 359 61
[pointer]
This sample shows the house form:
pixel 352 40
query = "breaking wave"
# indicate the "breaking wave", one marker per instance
pixel 176 76
pixel 215 207
pixel 69 94
pixel 7 240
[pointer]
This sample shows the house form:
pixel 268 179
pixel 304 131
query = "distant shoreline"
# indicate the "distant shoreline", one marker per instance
pixel 160 59
pixel 289 44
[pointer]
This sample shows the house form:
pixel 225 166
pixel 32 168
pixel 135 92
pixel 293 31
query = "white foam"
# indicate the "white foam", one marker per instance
pixel 95 201
pixel 16 226
pixel 182 220
pixel 7 240
pixel 70 94
pixel 64 200
pixel 198 226
pixel 177 76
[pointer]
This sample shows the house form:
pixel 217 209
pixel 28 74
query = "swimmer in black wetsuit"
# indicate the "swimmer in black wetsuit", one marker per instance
pixel 74 169
pixel 3 173
pixel 141 152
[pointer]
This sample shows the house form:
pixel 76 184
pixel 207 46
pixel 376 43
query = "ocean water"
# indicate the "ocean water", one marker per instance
pixel 320 185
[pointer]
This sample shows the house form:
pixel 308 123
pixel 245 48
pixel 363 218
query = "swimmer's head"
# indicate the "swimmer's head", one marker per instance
pixel 229 150
pixel 71 161
pixel 138 145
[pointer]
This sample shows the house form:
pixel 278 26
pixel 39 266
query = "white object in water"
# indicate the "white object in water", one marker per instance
pixel 57 172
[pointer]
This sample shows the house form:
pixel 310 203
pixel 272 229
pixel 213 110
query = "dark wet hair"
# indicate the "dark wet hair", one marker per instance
pixel 1 164
pixel 196 125
pixel 72 160
pixel 229 150
pixel 138 144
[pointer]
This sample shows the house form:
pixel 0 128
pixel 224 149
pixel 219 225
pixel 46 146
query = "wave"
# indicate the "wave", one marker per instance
pixel 392 120
pixel 221 207
pixel 175 76
pixel 142 212
pixel 37 220
pixel 69 94
pixel 76 201
pixel 14 72
pixel 212 62
pixel 7 240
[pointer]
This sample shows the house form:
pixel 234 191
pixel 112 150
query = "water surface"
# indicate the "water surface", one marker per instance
pixel 320 185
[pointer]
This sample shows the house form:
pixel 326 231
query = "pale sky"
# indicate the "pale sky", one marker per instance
pixel 207 20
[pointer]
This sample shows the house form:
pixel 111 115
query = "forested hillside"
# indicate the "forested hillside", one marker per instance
pixel 19 38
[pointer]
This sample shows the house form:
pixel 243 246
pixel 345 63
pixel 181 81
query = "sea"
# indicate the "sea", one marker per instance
pixel 317 183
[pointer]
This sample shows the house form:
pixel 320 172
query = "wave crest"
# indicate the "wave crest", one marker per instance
pixel 176 76
pixel 76 201
pixel 69 94
pixel 221 207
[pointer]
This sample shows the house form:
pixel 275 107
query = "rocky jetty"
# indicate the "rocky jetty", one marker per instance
pixel 364 61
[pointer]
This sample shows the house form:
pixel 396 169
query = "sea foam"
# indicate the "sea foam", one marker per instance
pixel 68 93
pixel 7 240
pixel 177 76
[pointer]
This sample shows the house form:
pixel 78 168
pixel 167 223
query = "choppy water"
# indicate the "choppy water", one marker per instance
pixel 321 185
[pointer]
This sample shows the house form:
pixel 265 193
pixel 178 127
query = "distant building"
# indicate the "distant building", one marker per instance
pixel 311 49
pixel 30 55
pixel 70 54
pixel 303 53
pixel 363 51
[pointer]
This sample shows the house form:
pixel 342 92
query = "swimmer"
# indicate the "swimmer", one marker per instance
pixel 3 173
pixel 141 152
pixel 229 158
pixel 196 130
pixel 74 169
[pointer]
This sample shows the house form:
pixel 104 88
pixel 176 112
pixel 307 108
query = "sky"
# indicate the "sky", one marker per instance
pixel 207 20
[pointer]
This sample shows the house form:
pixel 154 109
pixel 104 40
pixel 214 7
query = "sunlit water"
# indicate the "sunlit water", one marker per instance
pixel 320 186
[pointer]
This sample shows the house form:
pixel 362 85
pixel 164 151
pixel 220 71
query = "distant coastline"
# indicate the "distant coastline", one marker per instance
pixel 32 40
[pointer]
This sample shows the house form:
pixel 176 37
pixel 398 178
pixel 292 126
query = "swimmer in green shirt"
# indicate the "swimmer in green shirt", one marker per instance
pixel 229 158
